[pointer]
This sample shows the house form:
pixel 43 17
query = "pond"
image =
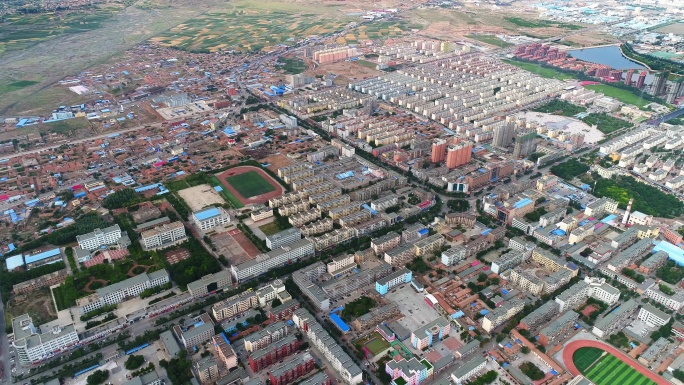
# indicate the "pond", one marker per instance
pixel 609 55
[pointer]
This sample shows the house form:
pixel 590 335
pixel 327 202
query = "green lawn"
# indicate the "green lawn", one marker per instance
pixel 366 63
pixel 624 96
pixel 377 345
pixel 250 184
pixel 610 370
pixel 539 70
pixel 16 86
pixel 270 228
pixel 226 194
pixel 584 357
pixel 292 66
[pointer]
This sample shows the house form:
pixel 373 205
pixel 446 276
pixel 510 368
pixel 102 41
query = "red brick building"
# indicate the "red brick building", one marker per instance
pixel 271 354
pixel 284 311
pixel 292 369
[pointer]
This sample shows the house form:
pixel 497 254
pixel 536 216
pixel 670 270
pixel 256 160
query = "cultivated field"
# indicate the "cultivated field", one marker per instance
pixel 250 184
pixel 253 26
pixel 377 31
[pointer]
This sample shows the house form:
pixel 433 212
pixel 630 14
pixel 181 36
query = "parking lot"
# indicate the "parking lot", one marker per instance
pixel 412 305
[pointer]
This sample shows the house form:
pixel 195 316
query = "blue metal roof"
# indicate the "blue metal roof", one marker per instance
pixel 339 323
pixel 14 261
pixel 44 255
pixel 522 203
pixel 674 253
pixel 207 213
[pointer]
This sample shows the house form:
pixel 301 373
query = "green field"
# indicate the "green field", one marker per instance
pixel 226 194
pixel 490 39
pixel 16 86
pixel 624 96
pixel 292 66
pixel 539 23
pixel 250 184
pixel 270 228
pixel 607 370
pixel 377 345
pixel 539 70
pixel 584 357
pixel 21 31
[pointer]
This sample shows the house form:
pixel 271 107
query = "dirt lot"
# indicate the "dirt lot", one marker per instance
pixel 347 72
pixel 276 162
pixel 201 196
pixel 234 246
pixel 39 306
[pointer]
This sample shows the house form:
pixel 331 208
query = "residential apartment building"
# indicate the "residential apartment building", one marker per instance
pixel 33 347
pixel 283 238
pixel 385 242
pixel 99 237
pixel 296 367
pixel 399 277
pixel 527 281
pixel 508 261
pixel 264 262
pixel 454 255
pixel 163 236
pixel 225 351
pixel 653 316
pixel 273 353
pixel 428 245
pixel 501 314
pixel 122 291
pixel 209 283
pixel 284 311
pixel 609 324
pixel 341 264
pixel 674 302
pixel 558 328
pixel 261 214
pixel 266 336
pixel 399 256
pixel 269 292
pixel 578 293
pixel 434 331
pixel 235 305
pixel 539 316
pixel 340 361
pixel 211 217
pixel 206 369
pixel 200 332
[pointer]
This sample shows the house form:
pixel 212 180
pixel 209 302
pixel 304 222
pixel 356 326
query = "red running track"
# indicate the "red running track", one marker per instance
pixel 574 345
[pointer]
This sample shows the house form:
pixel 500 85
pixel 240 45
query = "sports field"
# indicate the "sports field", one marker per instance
pixel 606 369
pixel 377 345
pixel 250 184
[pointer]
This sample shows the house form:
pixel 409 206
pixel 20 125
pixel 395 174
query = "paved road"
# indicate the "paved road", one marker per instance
pixel 674 114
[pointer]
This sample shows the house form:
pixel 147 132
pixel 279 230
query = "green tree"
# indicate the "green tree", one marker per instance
pixel 98 377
